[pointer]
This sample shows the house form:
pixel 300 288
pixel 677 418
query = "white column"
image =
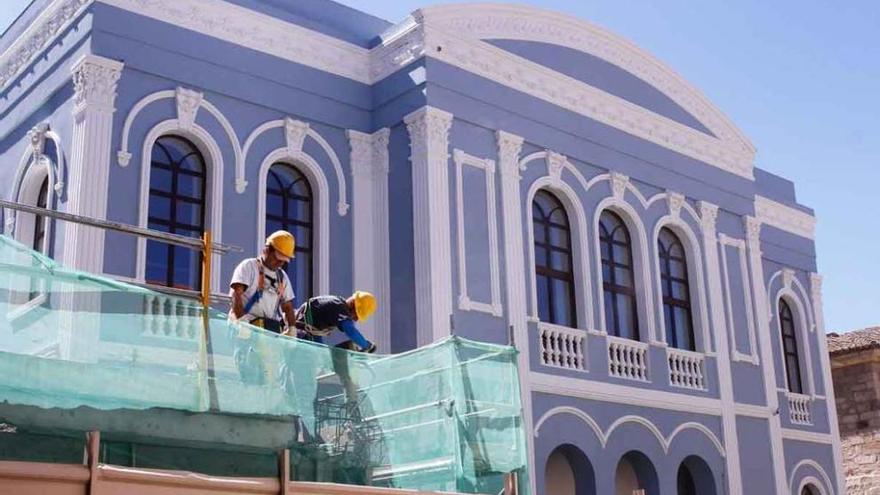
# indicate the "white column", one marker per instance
pixel 370 264
pixel 830 401
pixel 708 217
pixel 94 80
pixel 429 153
pixel 509 148
pixel 756 269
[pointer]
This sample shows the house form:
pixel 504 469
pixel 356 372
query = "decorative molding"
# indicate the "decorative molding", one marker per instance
pixel 826 485
pixel 674 202
pixel 509 148
pixel 752 227
pixel 295 132
pixel 188 102
pixel 465 302
pixel 785 217
pixel 41 33
pixel 708 216
pixel 555 163
pixel 603 437
pixel 369 170
pixel 753 411
pixel 94 84
pixel 752 357
pixel 619 183
pixel 428 129
pixel 292 129
pixel 500 21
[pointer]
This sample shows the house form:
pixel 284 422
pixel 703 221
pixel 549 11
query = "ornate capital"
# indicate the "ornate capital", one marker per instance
pixel 816 289
pixel 674 202
pixel 753 230
pixel 429 134
pixel 708 216
pixel 787 277
pixel 188 103
pixel 369 152
pixel 94 83
pixel 295 132
pixel 509 148
pixel 37 139
pixel 618 184
pixel 555 164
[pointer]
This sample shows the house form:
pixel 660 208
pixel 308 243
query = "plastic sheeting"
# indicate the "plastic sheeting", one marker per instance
pixel 445 417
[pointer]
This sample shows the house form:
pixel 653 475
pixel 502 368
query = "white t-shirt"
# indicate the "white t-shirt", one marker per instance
pixel 247 273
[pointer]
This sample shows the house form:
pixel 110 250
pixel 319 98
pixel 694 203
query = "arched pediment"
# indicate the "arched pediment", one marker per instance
pixel 496 24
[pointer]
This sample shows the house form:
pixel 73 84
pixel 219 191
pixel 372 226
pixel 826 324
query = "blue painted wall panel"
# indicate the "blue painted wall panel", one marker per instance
pixel 756 461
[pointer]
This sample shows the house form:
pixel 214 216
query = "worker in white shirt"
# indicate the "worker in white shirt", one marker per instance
pixel 260 288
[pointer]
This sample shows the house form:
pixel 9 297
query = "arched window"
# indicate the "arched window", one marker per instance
pixel 289 207
pixel 176 205
pixel 618 282
pixel 39 239
pixel 676 291
pixel 554 273
pixel 790 348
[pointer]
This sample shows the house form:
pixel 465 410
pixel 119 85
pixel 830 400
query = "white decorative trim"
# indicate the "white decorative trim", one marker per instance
pixel 369 170
pixel 555 163
pixel 321 204
pixel 213 200
pixel 294 139
pixel 562 347
pixel 465 302
pixel 428 129
pixel 623 394
pixel 807 436
pixel 187 102
pixel 753 411
pixel 41 33
pixel 675 201
pixel 785 217
pixel 603 437
pixel 826 486
pixel 830 402
pixel 580 253
pixel 792 284
pixel 811 481
pixel 726 241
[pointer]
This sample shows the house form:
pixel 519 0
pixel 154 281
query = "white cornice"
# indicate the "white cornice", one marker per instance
pixel 785 217
pixel 454 35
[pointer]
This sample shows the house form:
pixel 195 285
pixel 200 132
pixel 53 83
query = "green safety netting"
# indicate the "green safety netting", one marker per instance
pixel 444 417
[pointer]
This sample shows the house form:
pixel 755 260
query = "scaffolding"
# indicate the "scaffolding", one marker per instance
pixel 163 376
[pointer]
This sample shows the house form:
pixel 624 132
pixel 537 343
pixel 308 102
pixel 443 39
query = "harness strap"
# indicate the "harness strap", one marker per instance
pixel 261 284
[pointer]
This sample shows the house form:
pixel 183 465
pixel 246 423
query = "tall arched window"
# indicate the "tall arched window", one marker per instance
pixel 289 207
pixel 554 273
pixel 39 240
pixel 790 348
pixel 676 291
pixel 176 205
pixel 618 282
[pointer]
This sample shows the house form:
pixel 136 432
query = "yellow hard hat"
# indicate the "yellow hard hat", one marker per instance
pixel 364 304
pixel 283 242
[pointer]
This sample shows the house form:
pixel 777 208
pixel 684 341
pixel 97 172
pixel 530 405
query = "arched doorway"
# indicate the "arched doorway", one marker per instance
pixel 569 472
pixel 635 475
pixel 810 490
pixel 695 477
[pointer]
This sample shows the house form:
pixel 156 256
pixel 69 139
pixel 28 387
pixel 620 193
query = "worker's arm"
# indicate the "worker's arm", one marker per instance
pixel 290 317
pixel 349 328
pixel 238 302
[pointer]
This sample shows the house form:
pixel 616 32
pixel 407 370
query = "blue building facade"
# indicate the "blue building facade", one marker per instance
pixel 499 172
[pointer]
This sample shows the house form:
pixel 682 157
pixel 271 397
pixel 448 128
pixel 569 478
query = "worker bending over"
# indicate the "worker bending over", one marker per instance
pixel 319 316
pixel 260 289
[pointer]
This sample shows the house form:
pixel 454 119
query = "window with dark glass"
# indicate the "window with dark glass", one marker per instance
pixel 790 348
pixel 289 207
pixel 676 291
pixel 554 273
pixel 176 205
pixel 39 222
pixel 618 282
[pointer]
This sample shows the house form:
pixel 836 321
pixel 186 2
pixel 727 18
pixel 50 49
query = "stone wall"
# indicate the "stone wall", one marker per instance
pixel 857 388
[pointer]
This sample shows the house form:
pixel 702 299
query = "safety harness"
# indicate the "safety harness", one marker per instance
pixel 261 285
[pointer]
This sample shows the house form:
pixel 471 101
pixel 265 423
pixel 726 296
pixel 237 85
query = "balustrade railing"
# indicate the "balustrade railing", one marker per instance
pixel 627 359
pixel 171 317
pixel 800 408
pixel 686 369
pixel 563 347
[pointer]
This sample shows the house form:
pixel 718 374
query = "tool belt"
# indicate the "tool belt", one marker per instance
pixel 276 326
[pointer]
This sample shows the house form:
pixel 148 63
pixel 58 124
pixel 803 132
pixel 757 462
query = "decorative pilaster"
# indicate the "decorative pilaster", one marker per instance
pixel 429 153
pixel 94 80
pixel 752 228
pixel 509 148
pixel 708 221
pixel 830 401
pixel 369 170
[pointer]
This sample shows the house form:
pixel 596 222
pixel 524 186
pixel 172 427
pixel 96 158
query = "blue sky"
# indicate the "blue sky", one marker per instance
pixel 800 78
